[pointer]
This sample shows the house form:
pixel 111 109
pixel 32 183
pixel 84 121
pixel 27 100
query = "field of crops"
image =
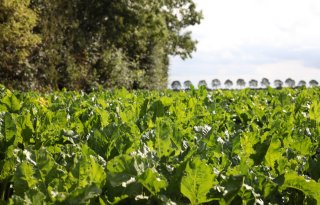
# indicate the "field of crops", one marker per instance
pixel 160 147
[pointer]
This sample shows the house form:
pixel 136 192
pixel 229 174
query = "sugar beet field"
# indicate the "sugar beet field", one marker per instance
pixel 160 147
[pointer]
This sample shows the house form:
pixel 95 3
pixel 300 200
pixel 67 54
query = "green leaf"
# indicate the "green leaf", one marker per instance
pixel 88 171
pixel 24 178
pixel 197 181
pixel 309 187
pixel 162 143
pixel 120 170
pixel 30 197
pixel 10 129
pixel 166 101
pixel 152 181
pixel 12 102
pixel 261 149
pixel 274 153
pixel 232 186
pixel 248 141
pixel 27 127
pixel 45 165
pixel 83 195
pixel 314 111
pixel 301 144
pixel 103 116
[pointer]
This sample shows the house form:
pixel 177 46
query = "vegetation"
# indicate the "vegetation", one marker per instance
pixel 278 83
pixel 85 44
pixel 163 147
pixel 253 83
pixel 241 83
pixel 216 83
pixel 17 42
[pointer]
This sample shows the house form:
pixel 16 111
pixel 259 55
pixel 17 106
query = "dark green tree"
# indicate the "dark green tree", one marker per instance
pixel 253 83
pixel 17 42
pixel 112 43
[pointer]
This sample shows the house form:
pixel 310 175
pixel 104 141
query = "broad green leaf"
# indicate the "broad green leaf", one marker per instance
pixel 152 181
pixel 300 144
pixel 122 173
pixel 248 141
pixel 120 170
pixel 162 142
pixel 98 142
pixel 8 165
pixel 274 153
pixel 24 178
pixel 261 149
pixel 314 112
pixel 12 102
pixel 166 101
pixel 30 197
pixel 83 195
pixel 45 165
pixel 9 129
pixel 27 127
pixel 104 117
pixel 3 108
pixel 197 181
pixel 232 185
pixel 309 187
pixel 87 171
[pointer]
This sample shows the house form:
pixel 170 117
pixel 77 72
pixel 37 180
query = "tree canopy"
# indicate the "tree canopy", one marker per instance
pixel 17 41
pixel 81 44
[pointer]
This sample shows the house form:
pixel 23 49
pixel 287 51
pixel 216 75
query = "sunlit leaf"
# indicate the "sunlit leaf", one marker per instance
pixel 197 181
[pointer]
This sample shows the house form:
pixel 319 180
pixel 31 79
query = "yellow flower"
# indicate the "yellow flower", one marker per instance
pixel 43 102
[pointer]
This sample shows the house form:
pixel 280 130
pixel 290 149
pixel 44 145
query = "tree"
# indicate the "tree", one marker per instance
pixel 216 83
pixel 112 43
pixel 290 82
pixel 241 83
pixel 17 42
pixel 253 83
pixel 187 84
pixel 302 83
pixel 176 85
pixel 265 82
pixel 313 83
pixel 278 83
pixel 228 84
pixel 202 83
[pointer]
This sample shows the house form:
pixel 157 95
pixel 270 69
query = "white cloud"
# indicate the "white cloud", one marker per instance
pixel 254 37
pixel 231 23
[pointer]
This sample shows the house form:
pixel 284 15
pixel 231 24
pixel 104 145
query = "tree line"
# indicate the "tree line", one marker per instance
pixel 81 44
pixel 241 83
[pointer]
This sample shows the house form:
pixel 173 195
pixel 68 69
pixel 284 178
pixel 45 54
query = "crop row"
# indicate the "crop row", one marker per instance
pixel 160 147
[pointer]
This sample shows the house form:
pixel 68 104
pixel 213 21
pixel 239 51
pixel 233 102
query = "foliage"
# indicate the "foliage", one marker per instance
pixel 88 43
pixel 161 147
pixel 17 42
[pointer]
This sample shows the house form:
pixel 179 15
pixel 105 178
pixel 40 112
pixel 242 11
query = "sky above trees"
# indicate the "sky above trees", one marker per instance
pixel 254 39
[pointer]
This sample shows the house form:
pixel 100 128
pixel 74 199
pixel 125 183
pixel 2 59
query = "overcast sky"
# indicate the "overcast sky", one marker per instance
pixel 252 39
